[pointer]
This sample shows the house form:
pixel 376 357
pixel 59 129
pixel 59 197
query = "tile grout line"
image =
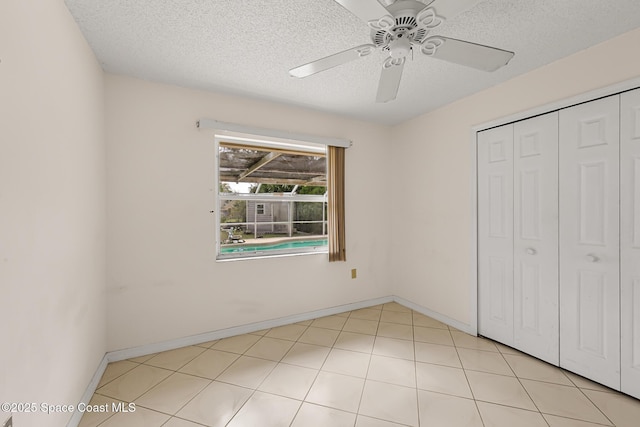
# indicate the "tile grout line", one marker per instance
pixel 545 382
pixel 183 419
pixel 175 372
pixel 366 374
pixel 594 404
pixel 190 400
pixel 475 401
pixel 562 385
pixel 304 399
pixel 115 378
pixel 522 385
pixel 255 390
pixel 415 364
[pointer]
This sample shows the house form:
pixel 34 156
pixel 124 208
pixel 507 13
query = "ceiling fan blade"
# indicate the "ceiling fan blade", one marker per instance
pixel 332 61
pixel 367 10
pixel 389 80
pixel 449 8
pixel 466 53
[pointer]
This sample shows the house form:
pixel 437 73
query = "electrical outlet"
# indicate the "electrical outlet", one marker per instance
pixel 354 274
pixel 8 423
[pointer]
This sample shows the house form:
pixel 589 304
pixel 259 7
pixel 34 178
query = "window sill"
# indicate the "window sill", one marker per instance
pixel 264 256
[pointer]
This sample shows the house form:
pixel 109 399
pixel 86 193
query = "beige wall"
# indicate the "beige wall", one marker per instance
pixel 52 209
pixel 432 171
pixel 163 280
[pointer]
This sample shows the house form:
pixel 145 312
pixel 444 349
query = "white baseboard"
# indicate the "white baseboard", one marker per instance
pixel 143 350
pixel 435 315
pixel 74 421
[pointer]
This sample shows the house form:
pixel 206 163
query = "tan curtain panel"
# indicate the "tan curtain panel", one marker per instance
pixel 335 215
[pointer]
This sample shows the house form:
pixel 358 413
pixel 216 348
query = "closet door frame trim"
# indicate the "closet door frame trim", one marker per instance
pixel 544 109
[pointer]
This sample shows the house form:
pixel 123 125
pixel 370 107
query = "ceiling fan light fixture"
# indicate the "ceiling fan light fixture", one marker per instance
pixel 399 47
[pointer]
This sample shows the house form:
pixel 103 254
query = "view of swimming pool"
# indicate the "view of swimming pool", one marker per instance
pixel 275 246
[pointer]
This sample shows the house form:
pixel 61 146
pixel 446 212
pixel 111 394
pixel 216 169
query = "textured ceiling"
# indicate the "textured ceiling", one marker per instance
pixel 246 47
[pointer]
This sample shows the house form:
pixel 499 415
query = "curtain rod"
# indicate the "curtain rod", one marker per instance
pixel 273 133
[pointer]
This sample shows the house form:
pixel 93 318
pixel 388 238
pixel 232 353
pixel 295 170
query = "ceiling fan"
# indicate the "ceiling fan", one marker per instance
pixel 402 27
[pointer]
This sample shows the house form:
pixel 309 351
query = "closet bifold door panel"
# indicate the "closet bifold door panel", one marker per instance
pixel 589 240
pixel 630 241
pixel 535 249
pixel 495 234
pixel 518 235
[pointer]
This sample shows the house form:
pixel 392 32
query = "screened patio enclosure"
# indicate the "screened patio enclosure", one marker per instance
pixel 270 195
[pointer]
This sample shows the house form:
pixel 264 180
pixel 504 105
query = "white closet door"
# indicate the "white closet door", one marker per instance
pixel 630 241
pixel 535 256
pixel 495 234
pixel 589 241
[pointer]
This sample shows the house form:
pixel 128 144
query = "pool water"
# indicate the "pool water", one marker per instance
pixel 284 245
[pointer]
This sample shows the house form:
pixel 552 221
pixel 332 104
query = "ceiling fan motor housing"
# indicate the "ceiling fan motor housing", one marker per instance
pixel 405 31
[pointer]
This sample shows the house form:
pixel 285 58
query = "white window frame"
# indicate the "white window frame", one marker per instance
pixel 311 148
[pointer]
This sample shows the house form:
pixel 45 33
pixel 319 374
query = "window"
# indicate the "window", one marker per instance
pixel 272 198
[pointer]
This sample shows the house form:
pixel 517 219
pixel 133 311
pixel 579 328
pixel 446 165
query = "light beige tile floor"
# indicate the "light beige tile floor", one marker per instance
pixel 381 366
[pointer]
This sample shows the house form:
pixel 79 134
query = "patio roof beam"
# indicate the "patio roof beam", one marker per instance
pixel 316 179
pixel 282 181
pixel 260 163
pixel 270 149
